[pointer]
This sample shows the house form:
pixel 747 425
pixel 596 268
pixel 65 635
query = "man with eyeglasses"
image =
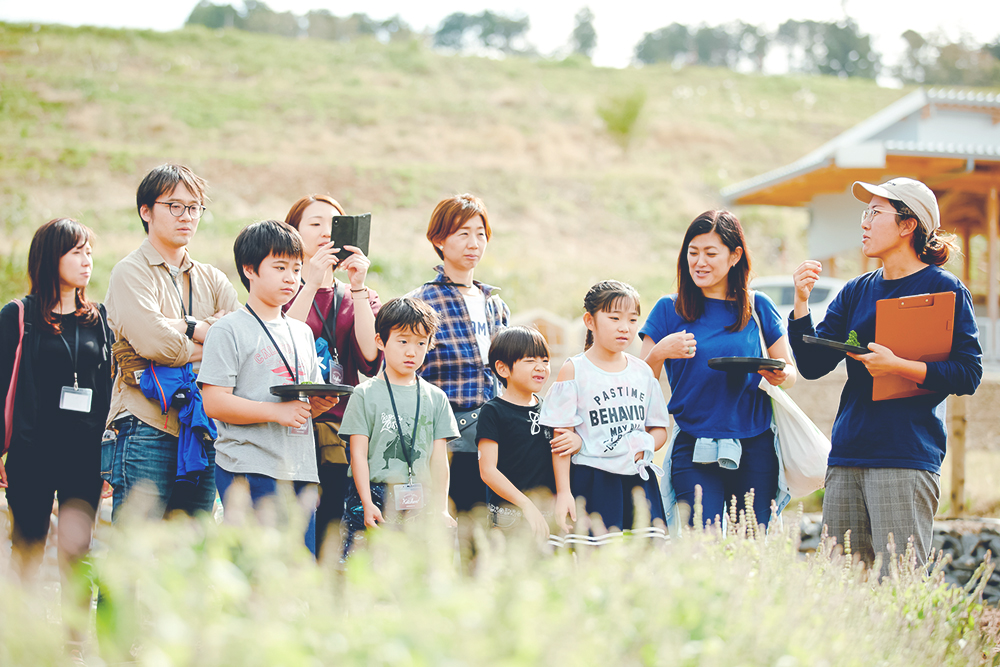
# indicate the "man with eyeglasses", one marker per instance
pixel 160 305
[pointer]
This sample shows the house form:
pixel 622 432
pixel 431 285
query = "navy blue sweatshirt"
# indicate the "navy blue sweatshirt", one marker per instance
pixel 901 432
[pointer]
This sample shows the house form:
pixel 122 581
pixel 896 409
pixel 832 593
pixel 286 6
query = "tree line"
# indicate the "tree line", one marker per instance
pixel 833 48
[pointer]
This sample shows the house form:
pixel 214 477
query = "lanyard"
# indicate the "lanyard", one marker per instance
pixel 331 332
pixel 399 427
pixel 190 308
pixel 74 353
pixel 295 373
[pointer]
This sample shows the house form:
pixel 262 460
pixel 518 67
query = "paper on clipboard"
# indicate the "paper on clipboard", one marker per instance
pixel 919 328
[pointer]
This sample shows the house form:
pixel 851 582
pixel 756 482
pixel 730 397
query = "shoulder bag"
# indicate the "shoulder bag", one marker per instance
pixel 8 408
pixel 804 448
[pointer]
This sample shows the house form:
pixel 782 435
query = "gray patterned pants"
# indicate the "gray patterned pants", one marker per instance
pixel 873 502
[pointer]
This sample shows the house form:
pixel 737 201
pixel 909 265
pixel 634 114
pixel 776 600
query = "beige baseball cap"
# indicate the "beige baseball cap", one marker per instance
pixel 917 196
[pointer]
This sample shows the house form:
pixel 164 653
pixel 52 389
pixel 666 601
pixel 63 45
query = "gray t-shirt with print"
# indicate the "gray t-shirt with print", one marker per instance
pixel 239 354
pixel 370 413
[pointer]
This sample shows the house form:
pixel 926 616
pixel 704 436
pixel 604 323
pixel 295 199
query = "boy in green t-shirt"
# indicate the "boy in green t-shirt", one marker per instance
pixel 398 425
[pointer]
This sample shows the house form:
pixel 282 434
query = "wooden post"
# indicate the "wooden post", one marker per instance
pixel 967 249
pixel 956 450
pixel 993 290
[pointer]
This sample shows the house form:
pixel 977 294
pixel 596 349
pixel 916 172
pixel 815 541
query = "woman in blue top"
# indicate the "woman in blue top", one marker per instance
pixel 722 436
pixel 884 467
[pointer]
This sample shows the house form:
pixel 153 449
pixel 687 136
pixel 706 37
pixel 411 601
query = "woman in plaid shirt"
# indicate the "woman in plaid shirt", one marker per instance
pixel 471 312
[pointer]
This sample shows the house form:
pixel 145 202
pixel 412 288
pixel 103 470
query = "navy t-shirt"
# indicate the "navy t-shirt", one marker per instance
pixel 901 432
pixel 524 454
pixel 707 403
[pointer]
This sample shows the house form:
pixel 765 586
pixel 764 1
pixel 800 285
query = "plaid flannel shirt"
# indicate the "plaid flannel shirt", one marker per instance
pixel 454 363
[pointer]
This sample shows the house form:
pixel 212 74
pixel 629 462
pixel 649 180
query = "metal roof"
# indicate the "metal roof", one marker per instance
pixel 892 114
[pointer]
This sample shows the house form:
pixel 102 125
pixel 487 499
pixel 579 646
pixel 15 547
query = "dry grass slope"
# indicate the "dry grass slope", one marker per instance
pixel 392 129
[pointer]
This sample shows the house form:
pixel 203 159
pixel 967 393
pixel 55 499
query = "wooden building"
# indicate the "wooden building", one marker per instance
pixel 948 139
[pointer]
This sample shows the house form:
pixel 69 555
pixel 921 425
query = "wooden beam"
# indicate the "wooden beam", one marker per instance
pixel 993 289
pixel 956 450
pixel 967 259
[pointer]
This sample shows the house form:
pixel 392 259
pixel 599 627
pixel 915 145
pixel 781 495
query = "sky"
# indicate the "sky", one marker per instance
pixel 620 24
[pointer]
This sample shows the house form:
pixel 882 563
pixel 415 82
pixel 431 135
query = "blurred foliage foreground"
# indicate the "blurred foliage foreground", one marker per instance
pixel 189 592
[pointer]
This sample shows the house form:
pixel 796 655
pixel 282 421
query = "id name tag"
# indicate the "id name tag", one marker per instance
pixel 408 496
pixel 299 430
pixel 336 373
pixel 75 400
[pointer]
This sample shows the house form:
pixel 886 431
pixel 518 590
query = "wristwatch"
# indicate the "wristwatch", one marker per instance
pixel 192 323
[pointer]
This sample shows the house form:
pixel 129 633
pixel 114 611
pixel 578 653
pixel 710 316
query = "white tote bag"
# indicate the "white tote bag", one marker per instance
pixel 804 448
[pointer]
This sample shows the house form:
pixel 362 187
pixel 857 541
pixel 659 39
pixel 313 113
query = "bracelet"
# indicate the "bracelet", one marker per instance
pixel 360 289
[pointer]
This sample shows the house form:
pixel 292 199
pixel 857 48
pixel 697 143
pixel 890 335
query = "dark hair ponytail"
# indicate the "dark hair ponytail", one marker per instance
pixel 934 248
pixel 603 296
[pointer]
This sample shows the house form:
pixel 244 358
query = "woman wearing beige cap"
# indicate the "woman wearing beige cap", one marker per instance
pixel 884 467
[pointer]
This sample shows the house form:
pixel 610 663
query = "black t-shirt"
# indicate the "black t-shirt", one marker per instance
pixel 54 370
pixel 524 454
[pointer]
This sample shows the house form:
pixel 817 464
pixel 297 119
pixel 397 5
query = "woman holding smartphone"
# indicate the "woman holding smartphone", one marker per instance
pixel 342 313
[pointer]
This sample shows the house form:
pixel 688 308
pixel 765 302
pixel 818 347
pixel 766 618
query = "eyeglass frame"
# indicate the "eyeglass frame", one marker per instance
pixel 869 213
pixel 190 208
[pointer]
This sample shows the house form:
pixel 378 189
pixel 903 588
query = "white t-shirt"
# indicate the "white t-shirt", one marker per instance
pixel 476 305
pixel 610 412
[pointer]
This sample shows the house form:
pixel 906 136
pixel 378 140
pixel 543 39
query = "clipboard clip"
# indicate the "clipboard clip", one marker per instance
pixel 919 301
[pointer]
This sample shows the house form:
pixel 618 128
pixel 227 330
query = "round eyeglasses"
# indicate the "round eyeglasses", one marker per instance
pixel 177 209
pixel 869 213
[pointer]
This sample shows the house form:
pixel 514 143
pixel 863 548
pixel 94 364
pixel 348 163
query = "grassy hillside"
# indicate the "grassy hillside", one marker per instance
pixel 391 129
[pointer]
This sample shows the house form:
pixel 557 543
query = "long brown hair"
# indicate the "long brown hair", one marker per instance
pixel 294 216
pixel 51 241
pixel 690 299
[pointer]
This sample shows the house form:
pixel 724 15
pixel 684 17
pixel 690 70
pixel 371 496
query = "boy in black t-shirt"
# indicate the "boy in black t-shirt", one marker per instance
pixel 516 453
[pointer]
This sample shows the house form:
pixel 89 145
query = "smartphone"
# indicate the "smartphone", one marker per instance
pixel 351 230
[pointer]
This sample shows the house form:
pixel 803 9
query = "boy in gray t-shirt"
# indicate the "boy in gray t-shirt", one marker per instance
pixel 398 426
pixel 262 438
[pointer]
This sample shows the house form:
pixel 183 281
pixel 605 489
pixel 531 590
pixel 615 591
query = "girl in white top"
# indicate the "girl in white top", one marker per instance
pixel 616 407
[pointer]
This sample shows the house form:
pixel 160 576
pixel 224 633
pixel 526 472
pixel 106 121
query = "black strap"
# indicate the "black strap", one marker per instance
pixel 408 454
pixel 295 349
pixel 74 354
pixel 190 308
pixel 331 329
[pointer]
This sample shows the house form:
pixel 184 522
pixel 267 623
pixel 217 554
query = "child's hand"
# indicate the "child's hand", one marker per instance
pixel 565 504
pixel 539 526
pixel 566 442
pixel 775 377
pixel 449 520
pixel 293 414
pixel 320 404
pixel 373 516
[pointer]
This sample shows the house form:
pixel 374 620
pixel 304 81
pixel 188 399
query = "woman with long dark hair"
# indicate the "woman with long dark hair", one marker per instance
pixel 885 464
pixel 62 397
pixel 344 315
pixel 723 439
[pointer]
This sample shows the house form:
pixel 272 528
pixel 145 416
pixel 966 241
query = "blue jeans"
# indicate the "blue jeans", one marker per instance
pixel 262 486
pixel 143 459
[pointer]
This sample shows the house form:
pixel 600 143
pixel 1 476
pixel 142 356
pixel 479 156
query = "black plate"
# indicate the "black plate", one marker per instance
pixel 295 390
pixel 836 345
pixel 745 364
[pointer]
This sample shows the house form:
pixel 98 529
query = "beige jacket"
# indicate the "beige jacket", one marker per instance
pixel 143 303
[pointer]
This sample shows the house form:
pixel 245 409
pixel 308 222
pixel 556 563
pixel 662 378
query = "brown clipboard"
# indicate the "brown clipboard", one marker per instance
pixel 918 328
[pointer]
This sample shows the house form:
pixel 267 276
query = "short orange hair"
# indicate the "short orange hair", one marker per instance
pixel 294 216
pixel 449 216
